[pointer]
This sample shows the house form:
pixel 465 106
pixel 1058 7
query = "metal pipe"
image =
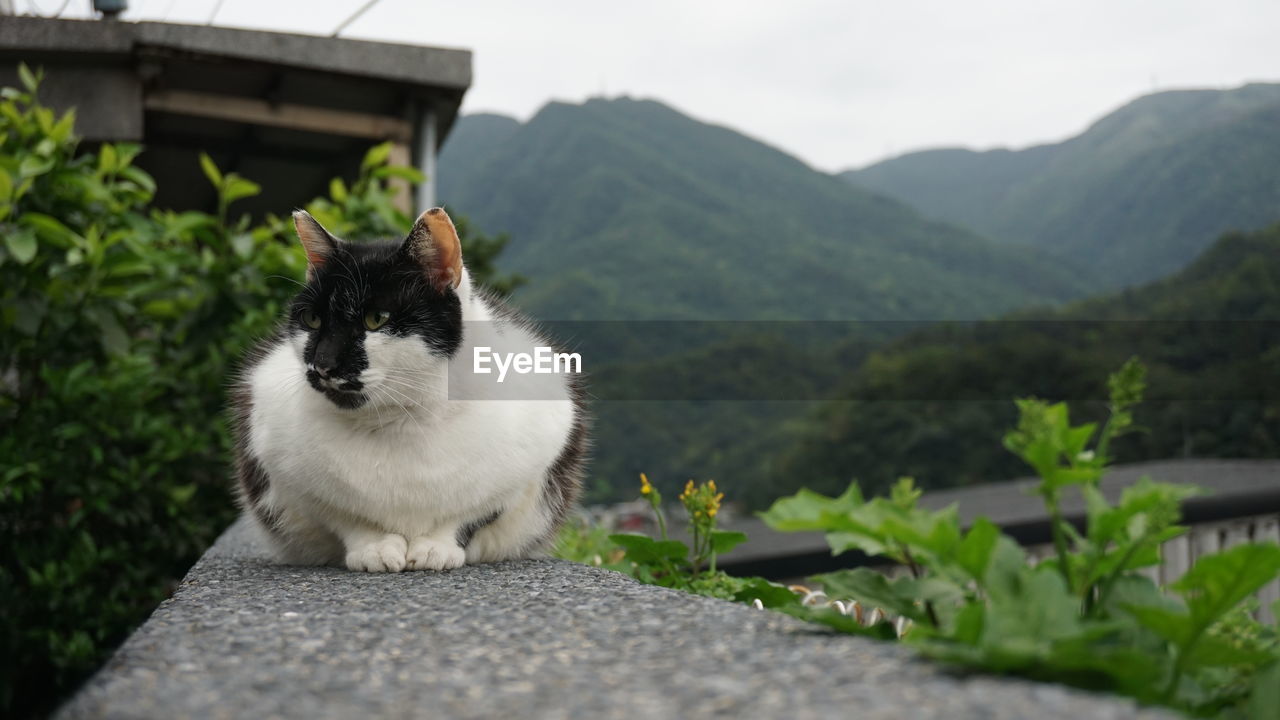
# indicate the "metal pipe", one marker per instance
pixel 426 194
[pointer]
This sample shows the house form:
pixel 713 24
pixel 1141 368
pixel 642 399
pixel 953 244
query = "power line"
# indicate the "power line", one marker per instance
pixel 354 16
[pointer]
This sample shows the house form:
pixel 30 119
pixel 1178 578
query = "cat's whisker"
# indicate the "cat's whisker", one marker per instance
pixel 404 409
pixel 295 282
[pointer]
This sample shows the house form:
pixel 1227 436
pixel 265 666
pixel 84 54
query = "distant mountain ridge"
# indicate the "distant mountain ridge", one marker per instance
pixel 627 209
pixel 1209 335
pixel 1136 196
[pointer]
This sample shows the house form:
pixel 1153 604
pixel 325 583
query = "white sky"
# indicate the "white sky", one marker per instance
pixel 840 83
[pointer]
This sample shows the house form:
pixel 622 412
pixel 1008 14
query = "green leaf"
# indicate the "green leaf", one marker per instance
pixel 647 551
pixel 50 230
pixel 21 243
pixel 873 589
pixel 808 510
pixel 403 172
pixel 1264 700
pixel 1025 621
pixel 338 191
pixel 34 166
pixel 722 541
pixel 107 159
pixel 376 156
pixel 29 80
pixel 975 551
pixel 771 595
pixel 140 178
pixel 242 245
pixel 211 170
pixel 114 339
pixel 1217 583
pixel 834 619
pixel 237 187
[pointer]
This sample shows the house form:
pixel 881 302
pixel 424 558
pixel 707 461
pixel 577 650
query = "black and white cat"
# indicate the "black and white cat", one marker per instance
pixel 350 449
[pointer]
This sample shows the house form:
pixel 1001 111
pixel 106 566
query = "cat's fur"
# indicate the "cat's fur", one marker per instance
pixel 349 449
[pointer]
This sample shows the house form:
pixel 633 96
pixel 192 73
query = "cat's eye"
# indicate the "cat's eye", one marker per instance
pixel 376 319
pixel 310 318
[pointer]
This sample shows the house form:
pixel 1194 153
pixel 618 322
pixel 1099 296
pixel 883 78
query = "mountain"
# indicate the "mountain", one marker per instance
pixel 1135 197
pixel 626 209
pixel 934 404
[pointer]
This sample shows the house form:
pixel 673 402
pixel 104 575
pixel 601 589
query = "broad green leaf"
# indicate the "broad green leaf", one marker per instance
pixel 771 595
pixel 832 618
pixel 237 187
pixel 140 178
pixel 1217 583
pixel 722 541
pixel 842 542
pixel 242 244
pixel 126 152
pixel 21 243
pixel 1137 591
pixel 1026 621
pixel 1264 700
pixel 644 549
pixel 33 166
pixel 968 623
pixel 50 229
pixel 873 589
pixel 65 126
pixel 974 552
pixel 905 494
pixel 376 156
pixel 808 510
pixel 1005 569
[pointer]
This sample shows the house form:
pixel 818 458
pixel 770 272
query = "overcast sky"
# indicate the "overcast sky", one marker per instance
pixel 837 82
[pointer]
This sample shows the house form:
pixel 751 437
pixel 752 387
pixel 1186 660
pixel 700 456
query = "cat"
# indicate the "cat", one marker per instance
pixel 350 449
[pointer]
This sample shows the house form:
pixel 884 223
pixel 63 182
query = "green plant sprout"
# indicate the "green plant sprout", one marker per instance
pixel 1085 617
pixel 971 596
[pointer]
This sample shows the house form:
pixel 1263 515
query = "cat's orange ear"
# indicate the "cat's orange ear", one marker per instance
pixel 317 241
pixel 433 243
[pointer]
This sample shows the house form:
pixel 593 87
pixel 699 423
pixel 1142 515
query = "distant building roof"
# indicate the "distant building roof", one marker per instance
pixel 289 111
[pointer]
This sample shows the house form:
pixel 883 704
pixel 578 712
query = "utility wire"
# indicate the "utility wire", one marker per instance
pixel 354 16
pixel 216 8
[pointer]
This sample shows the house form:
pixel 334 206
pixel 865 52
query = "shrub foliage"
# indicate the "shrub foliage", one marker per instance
pixel 119 325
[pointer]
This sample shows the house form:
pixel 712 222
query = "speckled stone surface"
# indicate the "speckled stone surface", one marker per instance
pixel 532 639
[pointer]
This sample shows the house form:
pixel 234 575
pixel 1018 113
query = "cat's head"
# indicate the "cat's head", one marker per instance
pixel 375 320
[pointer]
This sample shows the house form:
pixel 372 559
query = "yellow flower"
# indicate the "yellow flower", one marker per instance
pixel 645 487
pixel 712 512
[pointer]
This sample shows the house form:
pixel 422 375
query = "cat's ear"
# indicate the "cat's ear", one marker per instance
pixel 317 241
pixel 433 244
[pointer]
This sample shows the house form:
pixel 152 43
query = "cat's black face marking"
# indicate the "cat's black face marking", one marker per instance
pixel 354 281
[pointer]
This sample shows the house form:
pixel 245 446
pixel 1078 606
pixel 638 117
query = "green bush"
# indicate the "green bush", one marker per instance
pixel 119 327
pixel 1086 617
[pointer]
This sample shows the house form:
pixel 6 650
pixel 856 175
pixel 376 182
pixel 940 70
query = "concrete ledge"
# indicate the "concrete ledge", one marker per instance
pixel 539 638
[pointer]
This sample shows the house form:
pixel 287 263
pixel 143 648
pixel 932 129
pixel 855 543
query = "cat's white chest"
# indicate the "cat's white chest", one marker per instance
pixel 401 471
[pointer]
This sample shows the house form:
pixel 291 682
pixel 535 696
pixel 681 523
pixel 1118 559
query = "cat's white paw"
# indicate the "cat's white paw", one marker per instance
pixel 428 554
pixel 386 554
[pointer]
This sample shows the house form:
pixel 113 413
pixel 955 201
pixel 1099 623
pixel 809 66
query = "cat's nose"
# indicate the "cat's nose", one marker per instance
pixel 323 372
